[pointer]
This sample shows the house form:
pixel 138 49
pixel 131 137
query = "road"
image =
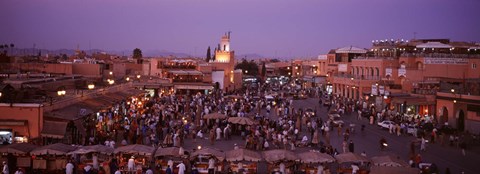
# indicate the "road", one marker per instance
pixel 368 141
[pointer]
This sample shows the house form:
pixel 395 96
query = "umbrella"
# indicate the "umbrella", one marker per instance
pixel 242 155
pixel 220 155
pixel 388 161
pixel 21 149
pixel 168 151
pixel 351 157
pixel 279 155
pixel 214 116
pixel 53 149
pixel 315 157
pixel 234 96
pixel 393 170
pixel 91 149
pixel 135 149
pixel 242 120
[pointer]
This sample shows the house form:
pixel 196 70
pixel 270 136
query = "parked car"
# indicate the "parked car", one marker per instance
pixel 335 119
pixel 309 112
pixel 366 113
pixel 412 129
pixel 327 103
pixel 385 124
pixel 299 96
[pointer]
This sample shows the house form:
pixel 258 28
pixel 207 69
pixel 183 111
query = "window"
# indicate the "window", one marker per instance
pixel 474 66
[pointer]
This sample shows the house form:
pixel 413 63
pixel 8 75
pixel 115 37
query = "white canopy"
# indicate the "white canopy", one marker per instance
pixel 351 49
pixel 433 45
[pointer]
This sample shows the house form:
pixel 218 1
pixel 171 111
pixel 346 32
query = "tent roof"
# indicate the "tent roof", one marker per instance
pixel 433 45
pixel 351 49
pixel 53 149
pixel 21 148
pixel 54 129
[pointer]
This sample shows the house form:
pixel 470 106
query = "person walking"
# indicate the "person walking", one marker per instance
pixel 69 168
pixel 351 146
pixel 5 168
pixel 463 146
pixel 181 168
pixel 423 145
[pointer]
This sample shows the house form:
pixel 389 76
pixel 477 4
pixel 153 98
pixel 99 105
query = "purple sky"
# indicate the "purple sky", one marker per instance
pixel 282 28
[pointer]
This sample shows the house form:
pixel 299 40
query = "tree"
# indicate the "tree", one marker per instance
pixel 264 69
pixel 248 67
pixel 208 55
pixel 137 53
pixel 274 60
pixel 214 56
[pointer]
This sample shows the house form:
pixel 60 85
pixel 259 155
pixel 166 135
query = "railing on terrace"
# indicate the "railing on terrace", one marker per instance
pixel 440 55
pixel 362 77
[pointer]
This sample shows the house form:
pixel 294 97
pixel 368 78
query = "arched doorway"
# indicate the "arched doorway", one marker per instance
pixel 444 116
pixel 461 121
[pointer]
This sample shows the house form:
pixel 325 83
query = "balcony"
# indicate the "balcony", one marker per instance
pixel 357 77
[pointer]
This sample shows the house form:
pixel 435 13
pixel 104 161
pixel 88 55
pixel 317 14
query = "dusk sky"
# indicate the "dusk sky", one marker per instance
pixel 282 28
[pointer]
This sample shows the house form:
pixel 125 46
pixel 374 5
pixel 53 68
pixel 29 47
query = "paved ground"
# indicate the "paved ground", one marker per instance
pixel 368 141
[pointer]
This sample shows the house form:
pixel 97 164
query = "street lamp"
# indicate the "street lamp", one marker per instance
pixel 452 90
pixel 127 79
pixel 91 86
pixel 138 76
pixel 111 73
pixel 111 82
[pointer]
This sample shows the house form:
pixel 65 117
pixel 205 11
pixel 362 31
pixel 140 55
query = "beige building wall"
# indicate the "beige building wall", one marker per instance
pixel 87 70
pixel 31 113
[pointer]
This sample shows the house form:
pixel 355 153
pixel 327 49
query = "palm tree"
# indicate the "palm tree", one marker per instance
pixel 11 47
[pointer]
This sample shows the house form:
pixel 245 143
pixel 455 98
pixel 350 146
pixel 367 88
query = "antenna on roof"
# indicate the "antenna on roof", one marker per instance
pixel 229 34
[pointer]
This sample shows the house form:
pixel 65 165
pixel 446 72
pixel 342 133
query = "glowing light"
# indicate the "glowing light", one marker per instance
pixel 199 147
pixel 127 79
pixel 454 101
pixel 111 73
pixel 138 76
pixel 91 86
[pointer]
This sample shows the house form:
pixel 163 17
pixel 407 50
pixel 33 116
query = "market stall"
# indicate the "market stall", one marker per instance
pixel 243 159
pixel 202 157
pixel 311 161
pixel 242 120
pixel 347 161
pixel 173 154
pixel 140 154
pixel 280 160
pixel 19 152
pixel 51 158
pixel 388 161
pixel 92 155
pixel 393 170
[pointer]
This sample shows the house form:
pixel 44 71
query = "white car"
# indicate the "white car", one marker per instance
pixel 412 129
pixel 385 124
pixel 336 119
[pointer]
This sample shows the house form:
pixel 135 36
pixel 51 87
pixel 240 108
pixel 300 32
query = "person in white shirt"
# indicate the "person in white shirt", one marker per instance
pixel 219 133
pixel 19 171
pixel 5 168
pixel 170 163
pixel 282 167
pixel 95 161
pixel 355 169
pixel 211 165
pixel 181 168
pixel 131 164
pixel 69 168
pixel 149 171
pixel 320 169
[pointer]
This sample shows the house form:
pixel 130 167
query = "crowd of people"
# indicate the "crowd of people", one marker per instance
pixel 167 120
